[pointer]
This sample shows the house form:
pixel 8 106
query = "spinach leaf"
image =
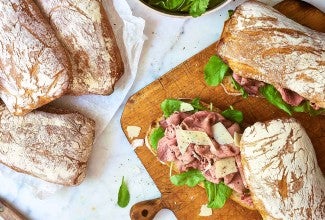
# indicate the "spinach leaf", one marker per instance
pixel 275 98
pixel 306 107
pixel 239 88
pixel 214 71
pixel 169 106
pixel 198 7
pixel 155 136
pixel 217 194
pixel 123 195
pixel 197 105
pixel 233 115
pixel 190 178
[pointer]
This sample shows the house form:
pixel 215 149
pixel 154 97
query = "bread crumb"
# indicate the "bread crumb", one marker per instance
pixel 133 131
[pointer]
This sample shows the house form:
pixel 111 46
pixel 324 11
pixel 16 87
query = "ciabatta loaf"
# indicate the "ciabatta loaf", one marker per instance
pixel 83 28
pixel 54 145
pixel 34 68
pixel 260 43
pixel 281 170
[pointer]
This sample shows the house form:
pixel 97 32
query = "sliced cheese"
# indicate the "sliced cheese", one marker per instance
pixel 186 107
pixel 237 138
pixel 205 211
pixel 221 134
pixel 225 166
pixel 133 131
pixel 185 137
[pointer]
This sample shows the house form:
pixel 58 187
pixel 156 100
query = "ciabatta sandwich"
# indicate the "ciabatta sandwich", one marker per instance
pixel 272 56
pixel 205 147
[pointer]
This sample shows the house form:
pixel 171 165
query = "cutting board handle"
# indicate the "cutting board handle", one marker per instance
pixel 9 213
pixel 146 210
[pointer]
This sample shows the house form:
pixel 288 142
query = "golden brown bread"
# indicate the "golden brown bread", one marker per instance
pixel 53 145
pixel 281 169
pixel 34 66
pixel 258 42
pixel 83 28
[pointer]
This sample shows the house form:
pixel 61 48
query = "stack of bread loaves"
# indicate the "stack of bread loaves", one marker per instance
pixel 49 48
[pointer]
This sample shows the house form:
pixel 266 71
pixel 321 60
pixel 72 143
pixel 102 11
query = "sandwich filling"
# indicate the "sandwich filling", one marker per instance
pixel 204 141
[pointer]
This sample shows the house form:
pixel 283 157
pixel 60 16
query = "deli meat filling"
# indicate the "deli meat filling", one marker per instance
pixel 202 157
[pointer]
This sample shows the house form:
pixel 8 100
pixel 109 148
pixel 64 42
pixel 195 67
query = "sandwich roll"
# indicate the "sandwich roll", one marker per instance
pixel 281 170
pixel 262 46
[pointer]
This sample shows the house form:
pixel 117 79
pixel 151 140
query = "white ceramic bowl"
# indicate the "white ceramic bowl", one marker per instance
pixel 182 15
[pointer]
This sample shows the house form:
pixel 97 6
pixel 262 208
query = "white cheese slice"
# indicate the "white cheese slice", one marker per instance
pixel 221 134
pixel 137 143
pixel 185 137
pixel 186 107
pixel 225 166
pixel 237 138
pixel 133 131
pixel 205 211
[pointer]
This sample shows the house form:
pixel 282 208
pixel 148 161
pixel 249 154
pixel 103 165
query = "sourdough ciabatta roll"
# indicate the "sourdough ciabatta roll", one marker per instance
pixel 53 145
pixel 83 28
pixel 281 170
pixel 262 46
pixel 34 68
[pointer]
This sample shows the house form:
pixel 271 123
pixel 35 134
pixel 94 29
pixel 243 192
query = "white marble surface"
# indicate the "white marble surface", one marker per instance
pixel 169 42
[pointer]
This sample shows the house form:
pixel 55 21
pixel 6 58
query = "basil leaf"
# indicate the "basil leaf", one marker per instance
pixel 155 136
pixel 123 195
pixel 239 88
pixel 217 194
pixel 214 71
pixel 230 12
pixel 169 106
pixel 197 105
pixel 198 7
pixel 233 115
pixel 306 107
pixel 275 98
pixel 190 178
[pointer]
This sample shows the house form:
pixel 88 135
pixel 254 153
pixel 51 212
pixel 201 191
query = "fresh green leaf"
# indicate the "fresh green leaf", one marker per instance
pixel 170 5
pixel 214 71
pixel 198 7
pixel 155 136
pixel 239 88
pixel 233 115
pixel 169 106
pixel 217 194
pixel 275 98
pixel 197 105
pixel 306 107
pixel 123 195
pixel 230 12
pixel 190 178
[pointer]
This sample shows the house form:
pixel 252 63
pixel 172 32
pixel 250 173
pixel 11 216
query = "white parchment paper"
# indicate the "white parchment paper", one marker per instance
pixel 128 30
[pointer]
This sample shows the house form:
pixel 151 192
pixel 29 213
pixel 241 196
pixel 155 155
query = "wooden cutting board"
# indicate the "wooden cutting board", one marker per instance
pixel 186 81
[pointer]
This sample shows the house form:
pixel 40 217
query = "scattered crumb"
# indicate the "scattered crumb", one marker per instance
pixel 205 211
pixel 133 131
pixel 137 143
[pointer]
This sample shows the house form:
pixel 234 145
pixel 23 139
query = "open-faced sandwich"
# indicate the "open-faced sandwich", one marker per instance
pixel 263 53
pixel 270 167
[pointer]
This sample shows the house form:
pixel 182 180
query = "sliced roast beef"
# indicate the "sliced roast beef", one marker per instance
pixel 251 86
pixel 201 157
pixel 291 97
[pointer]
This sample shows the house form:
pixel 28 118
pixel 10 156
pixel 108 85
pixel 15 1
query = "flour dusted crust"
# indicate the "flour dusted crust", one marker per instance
pixel 281 170
pixel 52 146
pixel 260 43
pixel 83 28
pixel 34 69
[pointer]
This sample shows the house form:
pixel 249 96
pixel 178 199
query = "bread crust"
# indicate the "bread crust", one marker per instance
pixel 34 66
pixel 259 43
pixel 281 169
pixel 84 29
pixel 236 197
pixel 54 145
